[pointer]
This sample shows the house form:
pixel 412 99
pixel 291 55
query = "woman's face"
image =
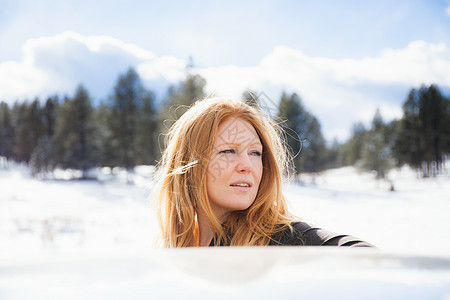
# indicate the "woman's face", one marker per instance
pixel 235 169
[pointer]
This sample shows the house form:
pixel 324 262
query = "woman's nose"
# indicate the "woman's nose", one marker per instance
pixel 244 164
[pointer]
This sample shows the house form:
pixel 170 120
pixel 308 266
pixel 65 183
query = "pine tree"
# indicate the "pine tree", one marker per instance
pixel 147 132
pixel 376 154
pixel 132 123
pixel 75 136
pixel 123 119
pixel 407 146
pixel 290 111
pixel 49 114
pixel 103 116
pixel 314 155
pixel 433 116
pixel 6 131
pixel 350 152
pixel 42 158
pixel 29 129
pixel 423 134
pixel 303 133
pixel 332 155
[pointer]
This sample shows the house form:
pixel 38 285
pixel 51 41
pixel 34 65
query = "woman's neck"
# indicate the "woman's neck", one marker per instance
pixel 205 233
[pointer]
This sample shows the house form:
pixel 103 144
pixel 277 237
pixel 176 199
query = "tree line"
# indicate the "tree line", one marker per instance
pixel 125 130
pixel 420 139
pixel 72 133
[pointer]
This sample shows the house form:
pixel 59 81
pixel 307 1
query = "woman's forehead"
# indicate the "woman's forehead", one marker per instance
pixel 234 130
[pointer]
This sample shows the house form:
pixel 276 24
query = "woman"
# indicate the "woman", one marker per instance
pixel 220 182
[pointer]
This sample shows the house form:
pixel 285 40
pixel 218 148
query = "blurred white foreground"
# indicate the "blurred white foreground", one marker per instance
pixel 232 273
pixel 71 239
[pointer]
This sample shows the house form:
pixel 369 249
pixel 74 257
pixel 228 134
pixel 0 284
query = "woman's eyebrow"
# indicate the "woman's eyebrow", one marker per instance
pixel 256 143
pixel 238 144
pixel 228 144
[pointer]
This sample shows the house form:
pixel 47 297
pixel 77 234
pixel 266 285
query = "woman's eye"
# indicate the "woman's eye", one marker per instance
pixel 227 151
pixel 256 153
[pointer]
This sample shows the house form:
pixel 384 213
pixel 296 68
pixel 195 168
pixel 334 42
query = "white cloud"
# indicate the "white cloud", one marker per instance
pixel 338 91
pixel 58 63
pixel 418 63
pixel 448 10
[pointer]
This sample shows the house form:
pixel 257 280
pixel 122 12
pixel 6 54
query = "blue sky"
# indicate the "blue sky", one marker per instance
pixel 343 58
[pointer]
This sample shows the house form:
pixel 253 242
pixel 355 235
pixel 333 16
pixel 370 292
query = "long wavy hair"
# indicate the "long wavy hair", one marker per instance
pixel 182 179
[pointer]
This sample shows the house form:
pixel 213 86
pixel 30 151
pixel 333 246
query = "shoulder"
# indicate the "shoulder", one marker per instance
pixel 307 234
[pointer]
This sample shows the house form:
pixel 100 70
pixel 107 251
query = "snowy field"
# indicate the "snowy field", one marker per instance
pixel 77 235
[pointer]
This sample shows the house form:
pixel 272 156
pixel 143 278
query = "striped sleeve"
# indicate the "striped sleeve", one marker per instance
pixel 306 234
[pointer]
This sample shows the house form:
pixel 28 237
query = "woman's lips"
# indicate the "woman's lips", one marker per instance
pixel 243 186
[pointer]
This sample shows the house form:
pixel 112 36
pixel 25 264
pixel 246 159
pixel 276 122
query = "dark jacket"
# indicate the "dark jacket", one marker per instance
pixel 305 234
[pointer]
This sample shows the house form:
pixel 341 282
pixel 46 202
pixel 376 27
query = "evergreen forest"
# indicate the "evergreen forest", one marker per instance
pixel 127 130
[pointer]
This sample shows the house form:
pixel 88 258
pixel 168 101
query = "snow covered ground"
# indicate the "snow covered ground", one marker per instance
pixel 52 228
pixel 60 216
pixel 413 219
